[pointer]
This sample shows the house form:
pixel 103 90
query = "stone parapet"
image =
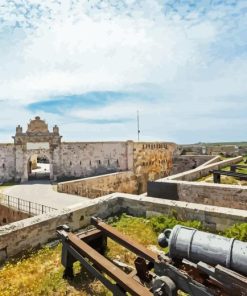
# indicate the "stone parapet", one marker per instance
pixel 36 231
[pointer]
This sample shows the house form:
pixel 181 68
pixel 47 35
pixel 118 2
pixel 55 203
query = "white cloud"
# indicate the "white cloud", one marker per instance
pixel 77 53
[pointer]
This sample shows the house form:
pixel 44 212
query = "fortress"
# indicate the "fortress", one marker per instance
pixel 110 178
pixel 72 160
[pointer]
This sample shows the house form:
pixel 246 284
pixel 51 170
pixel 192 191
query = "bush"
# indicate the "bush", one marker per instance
pixel 160 223
pixel 238 231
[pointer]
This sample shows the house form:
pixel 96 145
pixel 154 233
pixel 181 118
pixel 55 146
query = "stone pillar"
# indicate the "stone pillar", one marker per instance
pixel 21 163
pixel 24 176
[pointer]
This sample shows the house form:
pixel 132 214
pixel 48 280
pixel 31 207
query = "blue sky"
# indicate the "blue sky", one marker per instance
pixel 88 66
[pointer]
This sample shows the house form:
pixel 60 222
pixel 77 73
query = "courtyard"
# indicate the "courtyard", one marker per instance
pixel 43 192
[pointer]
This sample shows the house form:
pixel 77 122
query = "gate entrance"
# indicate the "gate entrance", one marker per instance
pixel 39 168
pixel 35 151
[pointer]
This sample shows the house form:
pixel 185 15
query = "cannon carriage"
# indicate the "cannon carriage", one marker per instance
pixel 198 263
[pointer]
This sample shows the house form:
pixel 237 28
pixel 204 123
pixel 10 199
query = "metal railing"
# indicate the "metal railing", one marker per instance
pixel 32 208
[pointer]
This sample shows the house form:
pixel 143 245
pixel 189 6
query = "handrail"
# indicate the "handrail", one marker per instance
pixel 32 208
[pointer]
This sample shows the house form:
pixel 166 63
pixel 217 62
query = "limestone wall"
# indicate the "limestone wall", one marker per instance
pixel 200 172
pixel 180 187
pixel 36 231
pixel 230 196
pixel 214 159
pixel 192 149
pixel 8 215
pixel 213 217
pixel 87 159
pixel 33 232
pixel 101 185
pixel 7 162
pixel 70 160
pixel 184 163
pixel 227 150
pixel 151 161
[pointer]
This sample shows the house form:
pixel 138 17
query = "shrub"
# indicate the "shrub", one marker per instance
pixel 238 231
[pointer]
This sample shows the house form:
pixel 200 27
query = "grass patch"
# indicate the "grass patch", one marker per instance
pixel 227 179
pixel 40 272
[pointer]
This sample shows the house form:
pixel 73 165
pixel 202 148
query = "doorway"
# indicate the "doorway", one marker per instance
pixel 39 167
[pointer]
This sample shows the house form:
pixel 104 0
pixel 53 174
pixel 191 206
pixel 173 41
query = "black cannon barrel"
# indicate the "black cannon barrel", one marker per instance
pixel 195 245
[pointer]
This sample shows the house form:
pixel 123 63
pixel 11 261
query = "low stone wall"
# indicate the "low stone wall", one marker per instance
pixel 212 160
pixel 9 215
pixel 215 218
pixel 36 231
pixel 200 172
pixel 179 187
pixel 210 149
pixel 101 185
pixel 231 196
pixel 184 163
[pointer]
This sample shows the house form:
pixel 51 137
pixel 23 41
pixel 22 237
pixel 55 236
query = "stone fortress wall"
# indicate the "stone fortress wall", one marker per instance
pixel 88 159
pixel 73 160
pixel 7 162
pixel 97 186
pixel 144 161
pixel 185 187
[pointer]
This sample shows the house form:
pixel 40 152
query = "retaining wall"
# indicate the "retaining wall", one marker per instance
pixel 178 187
pixel 101 185
pixel 9 215
pixel 184 163
pixel 200 172
pixel 36 231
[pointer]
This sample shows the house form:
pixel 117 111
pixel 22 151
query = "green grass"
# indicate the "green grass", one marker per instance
pixel 227 179
pixel 40 272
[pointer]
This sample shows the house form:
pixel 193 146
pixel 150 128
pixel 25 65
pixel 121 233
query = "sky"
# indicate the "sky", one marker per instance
pixel 89 65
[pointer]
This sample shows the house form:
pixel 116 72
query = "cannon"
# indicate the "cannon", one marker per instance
pixel 198 263
pixel 195 245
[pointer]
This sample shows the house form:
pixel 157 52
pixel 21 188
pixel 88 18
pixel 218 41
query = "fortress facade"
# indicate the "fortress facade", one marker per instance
pixel 70 160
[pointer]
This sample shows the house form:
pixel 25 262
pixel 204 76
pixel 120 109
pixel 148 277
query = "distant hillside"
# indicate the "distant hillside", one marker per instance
pixel 223 143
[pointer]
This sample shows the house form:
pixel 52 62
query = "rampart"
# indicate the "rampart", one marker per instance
pixel 183 188
pixel 93 187
pixel 36 231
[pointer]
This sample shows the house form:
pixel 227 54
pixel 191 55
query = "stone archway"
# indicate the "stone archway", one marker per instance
pixel 42 170
pixel 37 140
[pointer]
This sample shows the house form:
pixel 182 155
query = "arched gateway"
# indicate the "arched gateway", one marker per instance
pixel 36 141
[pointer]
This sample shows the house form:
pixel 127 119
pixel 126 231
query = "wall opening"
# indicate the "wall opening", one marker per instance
pixel 39 167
